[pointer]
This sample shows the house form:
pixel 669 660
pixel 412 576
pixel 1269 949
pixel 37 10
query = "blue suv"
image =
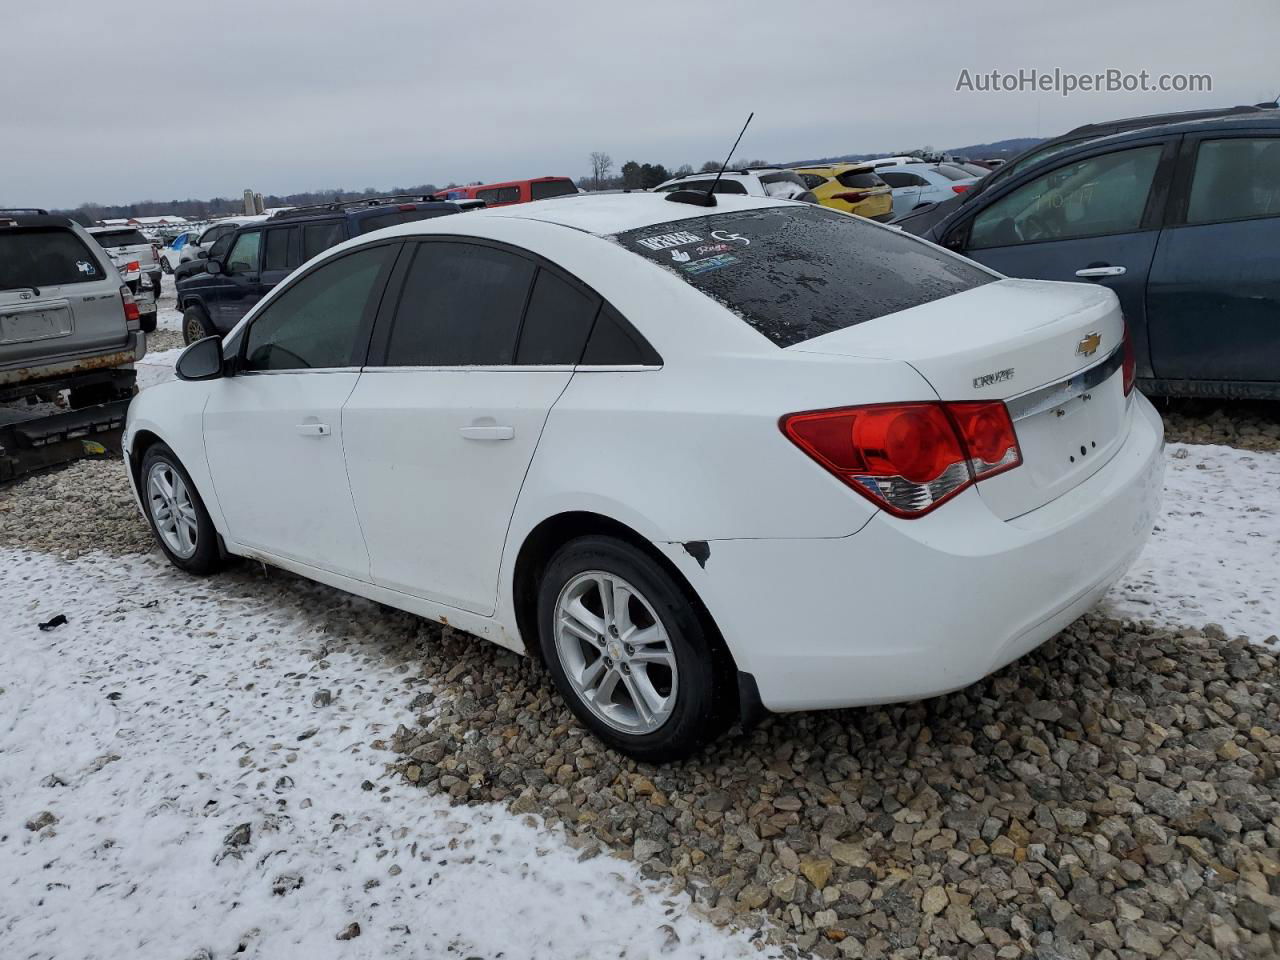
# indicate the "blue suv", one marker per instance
pixel 244 265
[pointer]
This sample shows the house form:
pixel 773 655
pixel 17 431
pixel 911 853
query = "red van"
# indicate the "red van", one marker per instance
pixel 513 191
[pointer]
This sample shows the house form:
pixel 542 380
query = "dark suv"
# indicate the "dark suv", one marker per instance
pixel 243 266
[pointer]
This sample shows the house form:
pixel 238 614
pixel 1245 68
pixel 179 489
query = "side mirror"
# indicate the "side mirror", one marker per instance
pixel 212 266
pixel 200 361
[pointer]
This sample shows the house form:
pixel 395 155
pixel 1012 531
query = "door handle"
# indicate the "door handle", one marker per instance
pixel 488 433
pixel 313 429
pixel 1101 272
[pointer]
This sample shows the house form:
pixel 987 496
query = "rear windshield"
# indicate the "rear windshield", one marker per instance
pixel 543 189
pixel 120 238
pixel 369 224
pixel 785 185
pixel 795 273
pixel 952 173
pixel 853 178
pixel 45 257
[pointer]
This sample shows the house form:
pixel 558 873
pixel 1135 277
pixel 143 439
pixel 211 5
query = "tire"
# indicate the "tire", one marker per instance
pixel 196 325
pixel 199 556
pixel 679 665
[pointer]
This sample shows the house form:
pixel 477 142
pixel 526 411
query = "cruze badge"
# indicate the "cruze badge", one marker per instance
pixel 987 379
pixel 1088 346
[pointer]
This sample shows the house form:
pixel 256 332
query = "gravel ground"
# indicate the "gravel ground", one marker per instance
pixel 1114 794
pixel 160 340
pixel 1247 424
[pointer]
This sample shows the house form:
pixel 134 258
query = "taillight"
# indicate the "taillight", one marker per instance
pixel 908 458
pixel 1130 367
pixel 133 266
pixel 959 188
pixel 852 196
pixel 406 207
pixel 132 316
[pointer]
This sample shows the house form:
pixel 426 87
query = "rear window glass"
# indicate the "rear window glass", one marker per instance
pixel 494 195
pixel 45 258
pixel 795 273
pixel 541 190
pixel 854 178
pixel 784 186
pixel 120 238
pixel 952 173
pixel 318 237
pixel 369 224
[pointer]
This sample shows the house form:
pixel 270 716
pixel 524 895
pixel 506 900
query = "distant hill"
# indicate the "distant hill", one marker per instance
pixel 1000 148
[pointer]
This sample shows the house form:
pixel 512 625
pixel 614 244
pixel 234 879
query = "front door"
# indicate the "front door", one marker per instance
pixel 240 286
pixel 1085 220
pixel 274 430
pixel 1213 301
pixel 440 435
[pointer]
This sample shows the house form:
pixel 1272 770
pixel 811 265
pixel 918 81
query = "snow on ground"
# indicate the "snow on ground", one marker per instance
pixel 168 316
pixel 168 712
pixel 1215 554
pixel 156 367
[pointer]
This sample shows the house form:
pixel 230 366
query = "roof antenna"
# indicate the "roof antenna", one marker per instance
pixel 708 199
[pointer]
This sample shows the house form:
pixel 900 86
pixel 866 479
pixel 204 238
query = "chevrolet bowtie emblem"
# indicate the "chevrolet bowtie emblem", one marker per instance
pixel 1088 346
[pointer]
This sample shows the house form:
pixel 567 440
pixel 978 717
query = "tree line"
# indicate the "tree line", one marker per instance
pixel 644 176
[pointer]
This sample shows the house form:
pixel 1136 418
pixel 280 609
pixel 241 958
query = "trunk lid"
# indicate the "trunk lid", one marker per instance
pixel 1051 351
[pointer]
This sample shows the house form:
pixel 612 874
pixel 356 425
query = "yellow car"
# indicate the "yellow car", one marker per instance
pixel 851 188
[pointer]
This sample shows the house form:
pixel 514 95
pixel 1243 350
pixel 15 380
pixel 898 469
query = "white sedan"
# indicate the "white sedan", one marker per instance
pixel 700 461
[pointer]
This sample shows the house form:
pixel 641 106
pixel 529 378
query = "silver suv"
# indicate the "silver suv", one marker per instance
pixel 67 323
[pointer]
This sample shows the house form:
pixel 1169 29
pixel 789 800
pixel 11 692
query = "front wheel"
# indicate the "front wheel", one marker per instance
pixel 628 650
pixel 178 517
pixel 196 325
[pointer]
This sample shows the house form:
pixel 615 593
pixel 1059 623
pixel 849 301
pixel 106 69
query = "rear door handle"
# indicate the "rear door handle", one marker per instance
pixel 1101 272
pixel 313 429
pixel 488 433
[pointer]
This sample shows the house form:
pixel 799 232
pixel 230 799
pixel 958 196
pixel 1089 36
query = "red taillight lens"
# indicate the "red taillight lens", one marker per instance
pixel 132 266
pixel 1130 368
pixel 959 188
pixel 132 315
pixel 851 196
pixel 908 458
pixel 988 435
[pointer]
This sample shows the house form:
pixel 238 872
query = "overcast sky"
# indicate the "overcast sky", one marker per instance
pixel 118 102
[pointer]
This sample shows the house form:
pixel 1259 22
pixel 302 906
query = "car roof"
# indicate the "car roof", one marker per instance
pixel 842 167
pixel 120 229
pixel 601 215
pixel 35 220
pixel 1262 119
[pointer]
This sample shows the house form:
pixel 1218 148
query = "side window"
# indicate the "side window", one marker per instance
pixel 1234 179
pixel 460 306
pixel 900 179
pixel 212 236
pixel 319 237
pixel 275 256
pixel 614 342
pixel 500 195
pixel 812 180
pixel 1101 195
pixel 315 322
pixel 218 250
pixel 243 257
pixel 556 322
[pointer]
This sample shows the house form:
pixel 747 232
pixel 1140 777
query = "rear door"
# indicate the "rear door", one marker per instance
pixel 1213 298
pixel 906 189
pixel 1094 218
pixel 57 296
pixel 442 426
pixel 280 255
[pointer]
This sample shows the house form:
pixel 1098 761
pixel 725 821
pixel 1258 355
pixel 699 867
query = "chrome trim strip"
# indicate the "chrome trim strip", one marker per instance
pixel 1055 394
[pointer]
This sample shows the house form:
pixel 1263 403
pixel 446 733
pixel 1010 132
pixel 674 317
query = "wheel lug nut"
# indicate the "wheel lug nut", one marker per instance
pixel 625 668
pixel 613 631
pixel 630 649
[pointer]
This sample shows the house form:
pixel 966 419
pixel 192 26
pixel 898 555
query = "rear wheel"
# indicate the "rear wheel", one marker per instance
pixel 178 517
pixel 628 650
pixel 196 325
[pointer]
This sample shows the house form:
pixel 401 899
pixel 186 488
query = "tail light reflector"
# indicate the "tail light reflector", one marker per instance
pixel 132 316
pixel 908 458
pixel 1130 366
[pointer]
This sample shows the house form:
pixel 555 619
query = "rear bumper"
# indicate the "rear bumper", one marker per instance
pixel 62 367
pixel 906 609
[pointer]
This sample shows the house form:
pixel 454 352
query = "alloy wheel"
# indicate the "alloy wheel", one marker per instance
pixel 172 509
pixel 616 652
